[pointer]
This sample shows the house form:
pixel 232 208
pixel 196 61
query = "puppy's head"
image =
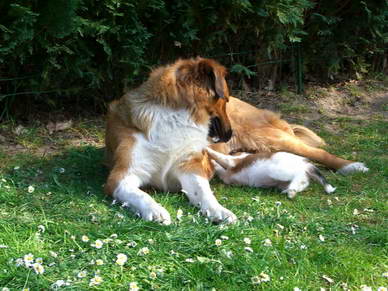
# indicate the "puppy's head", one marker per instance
pixel 201 83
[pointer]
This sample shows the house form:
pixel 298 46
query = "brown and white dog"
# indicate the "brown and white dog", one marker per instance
pixel 157 135
pixel 289 172
pixel 262 131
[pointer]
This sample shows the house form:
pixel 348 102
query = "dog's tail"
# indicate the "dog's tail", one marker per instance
pixel 307 136
pixel 315 174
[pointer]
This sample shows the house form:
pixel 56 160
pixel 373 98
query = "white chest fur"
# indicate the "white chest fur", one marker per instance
pixel 172 138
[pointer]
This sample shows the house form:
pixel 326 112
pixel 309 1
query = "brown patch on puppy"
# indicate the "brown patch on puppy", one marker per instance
pixel 199 164
pixel 249 160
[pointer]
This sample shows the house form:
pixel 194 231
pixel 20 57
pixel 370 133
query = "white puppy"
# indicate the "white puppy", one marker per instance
pixel 289 172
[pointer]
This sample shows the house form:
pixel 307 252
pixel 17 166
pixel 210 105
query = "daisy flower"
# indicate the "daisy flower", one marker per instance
pixel 153 275
pixel 97 244
pixel 321 238
pixel 19 262
pixel 247 240
pixel 82 274
pixel 30 189
pixel 96 280
pixel 85 238
pixel 264 277
pixel 218 242
pixel 143 251
pixel 297 289
pixel 38 268
pixel 132 244
pixel 248 249
pixel 365 288
pixel 267 242
pixel 28 259
pixel 382 289
pixel 384 275
pixel 133 286
pixel 255 280
pixel 99 262
pixel 5 289
pixel 39 260
pixel 121 259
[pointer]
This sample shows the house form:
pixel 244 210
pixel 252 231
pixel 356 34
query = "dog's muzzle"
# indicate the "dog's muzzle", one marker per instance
pixel 217 132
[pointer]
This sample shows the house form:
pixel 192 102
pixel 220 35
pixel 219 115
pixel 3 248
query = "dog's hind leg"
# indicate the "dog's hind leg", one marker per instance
pixel 297 184
pixel 123 185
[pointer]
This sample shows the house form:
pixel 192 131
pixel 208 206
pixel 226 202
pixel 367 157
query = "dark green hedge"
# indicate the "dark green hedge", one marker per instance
pixel 73 51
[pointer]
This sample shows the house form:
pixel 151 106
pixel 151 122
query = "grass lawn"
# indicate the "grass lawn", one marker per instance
pixel 316 241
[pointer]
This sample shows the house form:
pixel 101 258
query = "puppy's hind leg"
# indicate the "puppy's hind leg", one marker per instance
pixel 297 184
pixel 315 174
pixel 221 172
pixel 225 161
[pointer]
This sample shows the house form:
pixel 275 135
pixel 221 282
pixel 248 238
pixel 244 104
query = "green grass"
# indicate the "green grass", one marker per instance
pixel 72 204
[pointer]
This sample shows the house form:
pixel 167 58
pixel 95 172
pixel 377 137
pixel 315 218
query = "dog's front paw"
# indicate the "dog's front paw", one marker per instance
pixel 156 212
pixel 219 214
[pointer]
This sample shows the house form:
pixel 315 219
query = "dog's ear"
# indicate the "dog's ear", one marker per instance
pixel 215 75
pixel 206 73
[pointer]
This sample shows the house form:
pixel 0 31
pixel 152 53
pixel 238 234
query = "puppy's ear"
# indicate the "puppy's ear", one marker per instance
pixel 215 75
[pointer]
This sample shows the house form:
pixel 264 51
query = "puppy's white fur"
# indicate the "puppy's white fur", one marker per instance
pixel 289 172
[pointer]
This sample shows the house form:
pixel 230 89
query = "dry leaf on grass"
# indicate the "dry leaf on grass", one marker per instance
pixel 58 126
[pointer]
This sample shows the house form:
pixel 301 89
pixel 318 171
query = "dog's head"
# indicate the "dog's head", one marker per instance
pixel 201 83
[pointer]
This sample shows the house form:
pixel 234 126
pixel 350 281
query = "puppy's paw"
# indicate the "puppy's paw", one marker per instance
pixel 291 193
pixel 156 212
pixel 353 167
pixel 219 214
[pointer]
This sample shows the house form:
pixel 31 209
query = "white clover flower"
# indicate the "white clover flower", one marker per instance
pixel 218 242
pixel 53 254
pixel 247 240
pixel 28 259
pixel 248 249
pixel 267 242
pixel 153 275
pixel 365 288
pixel 321 238
pixel 30 189
pixel 99 262
pixel 121 259
pixel 133 286
pixel 143 251
pixel 38 268
pixel 97 244
pixel 96 280
pixel 85 238
pixel 179 214
pixel 132 244
pixel 82 274
pixel 224 237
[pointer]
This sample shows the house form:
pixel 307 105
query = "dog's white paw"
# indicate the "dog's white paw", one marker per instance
pixel 219 214
pixel 156 212
pixel 353 167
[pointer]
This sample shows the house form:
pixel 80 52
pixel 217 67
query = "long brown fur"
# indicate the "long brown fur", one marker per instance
pixel 257 130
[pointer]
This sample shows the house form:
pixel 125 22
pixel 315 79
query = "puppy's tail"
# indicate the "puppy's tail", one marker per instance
pixel 307 136
pixel 316 175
